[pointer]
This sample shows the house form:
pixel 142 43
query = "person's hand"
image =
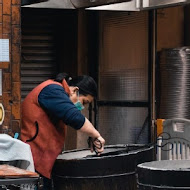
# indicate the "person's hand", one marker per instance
pixel 97 145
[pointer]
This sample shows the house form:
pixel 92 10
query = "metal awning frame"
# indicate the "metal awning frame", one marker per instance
pixel 139 5
pixel 113 5
pixel 69 4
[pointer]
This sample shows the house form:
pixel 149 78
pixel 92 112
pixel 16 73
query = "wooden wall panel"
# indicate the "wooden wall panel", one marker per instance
pixel 170 31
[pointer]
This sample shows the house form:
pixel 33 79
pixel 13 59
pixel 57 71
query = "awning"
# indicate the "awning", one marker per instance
pixel 68 4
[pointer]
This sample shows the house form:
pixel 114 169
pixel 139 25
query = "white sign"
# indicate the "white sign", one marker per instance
pixel 4 50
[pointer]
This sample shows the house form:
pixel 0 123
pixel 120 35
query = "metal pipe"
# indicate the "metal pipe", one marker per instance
pixel 152 68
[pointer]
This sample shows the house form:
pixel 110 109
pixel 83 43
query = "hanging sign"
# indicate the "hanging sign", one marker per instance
pixel 4 50
pixel 2 113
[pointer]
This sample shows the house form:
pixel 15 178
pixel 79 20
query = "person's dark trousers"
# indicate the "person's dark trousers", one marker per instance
pixel 47 184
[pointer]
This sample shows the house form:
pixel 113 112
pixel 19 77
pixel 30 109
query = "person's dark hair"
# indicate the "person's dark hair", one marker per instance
pixel 61 76
pixel 85 83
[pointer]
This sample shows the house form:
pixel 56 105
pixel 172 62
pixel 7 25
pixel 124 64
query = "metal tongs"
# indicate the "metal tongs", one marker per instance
pixel 95 147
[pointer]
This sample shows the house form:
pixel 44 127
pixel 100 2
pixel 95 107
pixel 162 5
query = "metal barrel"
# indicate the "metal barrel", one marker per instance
pixel 173 86
pixel 115 169
pixel 164 175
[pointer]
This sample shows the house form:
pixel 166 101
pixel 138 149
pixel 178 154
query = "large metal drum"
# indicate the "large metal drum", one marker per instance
pixel 164 175
pixel 115 169
pixel 174 80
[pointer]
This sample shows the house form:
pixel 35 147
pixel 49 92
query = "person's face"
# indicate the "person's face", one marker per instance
pixel 83 99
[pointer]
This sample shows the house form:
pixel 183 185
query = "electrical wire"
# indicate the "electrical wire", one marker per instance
pixel 168 138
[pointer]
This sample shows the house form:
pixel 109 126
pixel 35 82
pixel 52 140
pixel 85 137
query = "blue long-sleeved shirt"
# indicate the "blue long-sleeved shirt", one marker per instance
pixel 56 102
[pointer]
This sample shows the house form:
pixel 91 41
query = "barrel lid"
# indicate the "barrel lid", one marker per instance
pixel 165 173
pixel 166 165
pixel 86 153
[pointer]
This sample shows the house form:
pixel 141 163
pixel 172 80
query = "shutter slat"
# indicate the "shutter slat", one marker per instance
pixel 38 50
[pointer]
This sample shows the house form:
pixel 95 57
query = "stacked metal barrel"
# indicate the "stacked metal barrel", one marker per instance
pixel 174 80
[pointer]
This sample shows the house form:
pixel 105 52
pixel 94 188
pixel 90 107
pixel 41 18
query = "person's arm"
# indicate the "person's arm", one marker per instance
pixel 89 129
pixel 56 102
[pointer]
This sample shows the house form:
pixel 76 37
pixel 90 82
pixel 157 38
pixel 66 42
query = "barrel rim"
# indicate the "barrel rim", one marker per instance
pixel 143 166
pixel 175 49
pixel 142 148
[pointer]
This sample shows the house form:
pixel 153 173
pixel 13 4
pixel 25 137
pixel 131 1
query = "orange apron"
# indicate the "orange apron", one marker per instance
pixel 45 139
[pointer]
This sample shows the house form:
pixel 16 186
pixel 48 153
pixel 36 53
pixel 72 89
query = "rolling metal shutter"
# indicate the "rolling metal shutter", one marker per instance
pixel 38 49
pixel 123 77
